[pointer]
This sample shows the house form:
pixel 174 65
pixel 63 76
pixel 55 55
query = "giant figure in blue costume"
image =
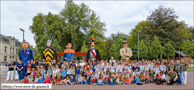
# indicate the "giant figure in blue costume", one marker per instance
pixel 25 55
pixel 69 53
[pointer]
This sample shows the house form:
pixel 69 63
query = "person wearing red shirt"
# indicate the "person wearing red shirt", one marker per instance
pixel 25 81
pixel 106 80
pixel 86 65
pixel 88 73
pixel 93 81
pixel 58 80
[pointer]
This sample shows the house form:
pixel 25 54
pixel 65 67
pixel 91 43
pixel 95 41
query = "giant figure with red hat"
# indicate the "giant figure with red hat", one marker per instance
pixel 93 54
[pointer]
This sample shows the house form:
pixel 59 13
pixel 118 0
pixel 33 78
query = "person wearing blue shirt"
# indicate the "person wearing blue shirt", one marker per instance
pixel 137 80
pixel 40 80
pixel 20 67
pixel 10 71
pixel 25 55
pixel 63 72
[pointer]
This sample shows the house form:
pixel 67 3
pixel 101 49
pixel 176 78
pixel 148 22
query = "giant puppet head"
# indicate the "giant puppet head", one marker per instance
pixel 124 43
pixel 92 43
pixel 49 42
pixel 25 44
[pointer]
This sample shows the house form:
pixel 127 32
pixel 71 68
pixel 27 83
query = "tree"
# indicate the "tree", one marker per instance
pixel 84 48
pixel 47 27
pixel 156 48
pixel 114 51
pixel 85 21
pixel 188 48
pixel 143 50
pixel 169 50
pixel 38 57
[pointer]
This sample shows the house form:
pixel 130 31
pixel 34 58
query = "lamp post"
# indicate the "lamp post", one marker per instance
pixel 138 44
pixel 23 32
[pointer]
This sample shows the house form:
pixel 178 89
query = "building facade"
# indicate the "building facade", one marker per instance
pixel 8 49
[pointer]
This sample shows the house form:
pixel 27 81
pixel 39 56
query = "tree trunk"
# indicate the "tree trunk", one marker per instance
pixel 160 57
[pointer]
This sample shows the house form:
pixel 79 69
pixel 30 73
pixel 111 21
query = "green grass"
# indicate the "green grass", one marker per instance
pixel 190 68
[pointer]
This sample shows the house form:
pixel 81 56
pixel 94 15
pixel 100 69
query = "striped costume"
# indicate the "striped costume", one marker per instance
pixel 49 54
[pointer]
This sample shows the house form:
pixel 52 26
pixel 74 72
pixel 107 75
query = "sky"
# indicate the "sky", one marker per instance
pixel 119 16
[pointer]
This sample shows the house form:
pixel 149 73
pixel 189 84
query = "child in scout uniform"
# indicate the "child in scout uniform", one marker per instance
pixel 112 80
pixel 28 69
pixel 173 77
pixel 137 80
pixel 40 79
pixel 52 81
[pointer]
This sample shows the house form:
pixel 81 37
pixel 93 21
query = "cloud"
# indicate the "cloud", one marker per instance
pixel 119 16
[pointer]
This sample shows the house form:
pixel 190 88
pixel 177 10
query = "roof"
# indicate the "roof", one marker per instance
pixel 181 53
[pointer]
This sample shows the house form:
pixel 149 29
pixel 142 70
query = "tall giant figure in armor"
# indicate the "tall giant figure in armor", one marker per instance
pixel 93 54
pixel 49 53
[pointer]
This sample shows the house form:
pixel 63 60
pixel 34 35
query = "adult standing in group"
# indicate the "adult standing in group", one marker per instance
pixel 93 54
pixel 49 54
pixel 125 52
pixel 10 71
pixel 178 69
pixel 170 66
pixel 25 55
pixel 20 68
pixel 69 53
pixel 184 72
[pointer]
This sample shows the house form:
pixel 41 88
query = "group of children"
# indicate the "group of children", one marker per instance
pixel 110 73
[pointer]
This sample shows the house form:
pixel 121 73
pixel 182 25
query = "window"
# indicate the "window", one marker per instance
pixel 5 58
pixel 5 49
pixel 16 51
pixel 13 50
pixel 10 50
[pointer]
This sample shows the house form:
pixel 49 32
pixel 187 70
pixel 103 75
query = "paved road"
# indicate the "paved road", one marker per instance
pixel 151 86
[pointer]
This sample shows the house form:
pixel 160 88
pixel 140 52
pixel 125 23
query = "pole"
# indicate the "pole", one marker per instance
pixel 179 53
pixel 138 45
pixel 23 35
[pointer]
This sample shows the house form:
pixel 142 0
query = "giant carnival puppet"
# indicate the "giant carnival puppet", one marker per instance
pixel 93 54
pixel 69 53
pixel 25 55
pixel 49 54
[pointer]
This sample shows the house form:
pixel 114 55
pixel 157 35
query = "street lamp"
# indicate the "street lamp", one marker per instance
pixel 138 44
pixel 23 32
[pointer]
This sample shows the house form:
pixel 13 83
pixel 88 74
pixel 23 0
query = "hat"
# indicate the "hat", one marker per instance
pixel 25 42
pixel 124 42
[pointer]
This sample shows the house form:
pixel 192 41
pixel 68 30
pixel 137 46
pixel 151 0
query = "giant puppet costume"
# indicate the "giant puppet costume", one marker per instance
pixel 25 55
pixel 125 52
pixel 49 53
pixel 69 53
pixel 93 54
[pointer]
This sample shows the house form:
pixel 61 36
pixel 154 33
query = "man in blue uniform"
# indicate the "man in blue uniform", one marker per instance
pixel 25 55
pixel 10 71
pixel 20 69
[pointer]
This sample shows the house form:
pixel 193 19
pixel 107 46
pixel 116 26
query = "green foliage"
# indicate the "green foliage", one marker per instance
pixel 38 57
pixel 84 48
pixel 169 50
pixel 156 48
pixel 143 50
pixel 188 48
